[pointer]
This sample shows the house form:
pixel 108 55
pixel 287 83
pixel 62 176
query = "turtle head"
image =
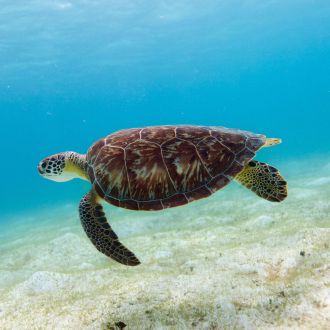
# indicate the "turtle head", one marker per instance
pixel 62 167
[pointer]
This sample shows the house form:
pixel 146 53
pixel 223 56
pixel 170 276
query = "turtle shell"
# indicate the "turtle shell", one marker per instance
pixel 158 167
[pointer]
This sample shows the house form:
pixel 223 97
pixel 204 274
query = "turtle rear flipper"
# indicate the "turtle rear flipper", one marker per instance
pixel 264 180
pixel 100 233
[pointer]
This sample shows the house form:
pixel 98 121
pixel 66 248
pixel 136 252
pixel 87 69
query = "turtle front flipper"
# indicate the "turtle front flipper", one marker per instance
pixel 264 180
pixel 100 233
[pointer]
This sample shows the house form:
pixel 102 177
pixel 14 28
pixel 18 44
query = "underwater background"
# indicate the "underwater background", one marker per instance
pixel 74 71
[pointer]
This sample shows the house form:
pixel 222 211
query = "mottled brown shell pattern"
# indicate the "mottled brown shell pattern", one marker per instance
pixel 158 167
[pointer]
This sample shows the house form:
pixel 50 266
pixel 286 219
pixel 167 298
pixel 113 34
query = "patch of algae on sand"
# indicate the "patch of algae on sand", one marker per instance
pixel 232 261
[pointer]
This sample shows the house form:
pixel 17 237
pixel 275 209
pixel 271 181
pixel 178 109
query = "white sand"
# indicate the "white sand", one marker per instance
pixel 232 261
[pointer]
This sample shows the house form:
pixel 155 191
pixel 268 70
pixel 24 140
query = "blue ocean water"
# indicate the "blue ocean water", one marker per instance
pixel 74 71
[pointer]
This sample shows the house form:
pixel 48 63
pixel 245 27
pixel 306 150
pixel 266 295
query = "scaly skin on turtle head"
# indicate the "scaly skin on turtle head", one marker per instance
pixel 63 166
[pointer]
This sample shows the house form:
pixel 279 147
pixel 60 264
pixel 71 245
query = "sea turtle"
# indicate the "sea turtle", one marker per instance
pixel 154 168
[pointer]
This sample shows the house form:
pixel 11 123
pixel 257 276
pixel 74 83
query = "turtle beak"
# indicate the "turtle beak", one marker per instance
pixel 42 167
pixel 40 170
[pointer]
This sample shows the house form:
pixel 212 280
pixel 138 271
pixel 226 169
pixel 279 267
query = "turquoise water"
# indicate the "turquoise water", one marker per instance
pixel 72 72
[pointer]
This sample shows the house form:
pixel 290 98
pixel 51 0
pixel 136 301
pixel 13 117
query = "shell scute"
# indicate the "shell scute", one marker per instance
pixel 90 173
pixel 124 137
pixel 114 182
pixel 99 190
pixel 113 201
pixel 244 156
pixel 254 143
pixel 146 171
pixel 233 140
pixel 94 150
pixel 176 200
pixel 159 135
pixel 216 157
pixel 233 169
pixel 218 182
pixel 155 205
pixel 192 134
pixel 129 204
pixel 184 165
pixel 199 193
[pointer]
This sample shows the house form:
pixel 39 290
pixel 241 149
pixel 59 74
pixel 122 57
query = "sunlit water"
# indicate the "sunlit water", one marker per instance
pixel 74 71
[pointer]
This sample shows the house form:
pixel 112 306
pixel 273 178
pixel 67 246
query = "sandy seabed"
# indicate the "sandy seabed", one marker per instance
pixel 232 261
